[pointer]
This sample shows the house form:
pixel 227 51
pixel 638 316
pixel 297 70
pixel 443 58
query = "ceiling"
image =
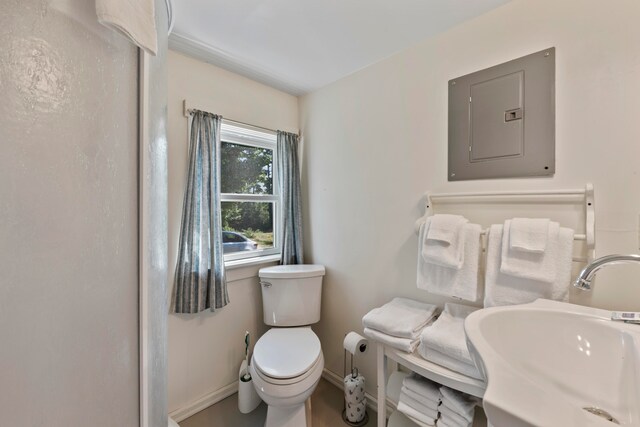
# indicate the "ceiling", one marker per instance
pixel 301 45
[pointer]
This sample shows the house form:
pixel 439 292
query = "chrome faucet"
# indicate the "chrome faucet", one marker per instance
pixel 585 277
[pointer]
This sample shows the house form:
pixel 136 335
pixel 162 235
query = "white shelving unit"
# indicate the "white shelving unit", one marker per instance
pixel 574 208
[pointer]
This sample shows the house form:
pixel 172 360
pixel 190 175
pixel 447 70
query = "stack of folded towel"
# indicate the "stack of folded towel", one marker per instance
pixel 457 408
pixel 399 323
pixel 419 400
pixel 448 257
pixel 528 259
pixel 445 343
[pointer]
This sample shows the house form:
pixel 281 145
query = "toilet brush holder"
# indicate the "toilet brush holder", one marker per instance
pixel 248 398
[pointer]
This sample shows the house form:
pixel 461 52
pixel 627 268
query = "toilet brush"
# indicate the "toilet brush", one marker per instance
pixel 247 375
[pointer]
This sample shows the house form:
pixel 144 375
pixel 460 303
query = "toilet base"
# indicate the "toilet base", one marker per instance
pixel 287 416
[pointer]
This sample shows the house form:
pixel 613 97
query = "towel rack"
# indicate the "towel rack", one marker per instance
pixel 583 196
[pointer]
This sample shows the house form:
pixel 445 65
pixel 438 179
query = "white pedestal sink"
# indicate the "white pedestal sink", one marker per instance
pixel 547 361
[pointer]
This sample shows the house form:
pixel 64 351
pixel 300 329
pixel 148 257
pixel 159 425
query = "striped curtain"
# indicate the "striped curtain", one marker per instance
pixel 200 281
pixel 289 169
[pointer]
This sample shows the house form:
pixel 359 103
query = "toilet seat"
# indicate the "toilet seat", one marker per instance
pixel 286 355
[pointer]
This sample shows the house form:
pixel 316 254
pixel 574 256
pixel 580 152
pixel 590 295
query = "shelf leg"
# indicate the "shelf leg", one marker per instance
pixel 382 386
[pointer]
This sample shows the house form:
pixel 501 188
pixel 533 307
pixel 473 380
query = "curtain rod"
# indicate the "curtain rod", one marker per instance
pixel 188 110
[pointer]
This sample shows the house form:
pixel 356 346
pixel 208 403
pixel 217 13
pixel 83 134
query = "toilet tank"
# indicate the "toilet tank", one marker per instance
pixel 291 294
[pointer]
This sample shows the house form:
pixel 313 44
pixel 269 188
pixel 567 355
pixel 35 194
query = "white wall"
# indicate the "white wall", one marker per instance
pixel 377 140
pixel 205 350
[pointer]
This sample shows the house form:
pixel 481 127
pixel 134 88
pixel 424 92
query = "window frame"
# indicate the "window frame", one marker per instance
pixel 237 133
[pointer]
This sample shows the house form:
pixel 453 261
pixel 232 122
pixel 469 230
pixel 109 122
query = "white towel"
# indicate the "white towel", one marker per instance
pixel 464 283
pixel 447 335
pixel 448 422
pixel 133 18
pixel 443 242
pixel 430 403
pixel 530 265
pixel 417 416
pixel 404 344
pixel 529 234
pixel 453 417
pixel 448 362
pixel 502 289
pixel 418 406
pixel 461 403
pixel 401 317
pixel 422 386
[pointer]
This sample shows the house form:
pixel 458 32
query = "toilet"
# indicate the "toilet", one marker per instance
pixel 287 360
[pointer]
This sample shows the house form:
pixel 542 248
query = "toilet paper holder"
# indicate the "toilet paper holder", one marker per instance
pixel 354 374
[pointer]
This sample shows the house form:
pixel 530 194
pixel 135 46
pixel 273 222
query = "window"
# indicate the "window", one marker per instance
pixel 249 192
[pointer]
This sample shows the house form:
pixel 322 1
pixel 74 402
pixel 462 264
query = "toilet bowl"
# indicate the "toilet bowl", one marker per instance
pixel 286 367
pixel 287 360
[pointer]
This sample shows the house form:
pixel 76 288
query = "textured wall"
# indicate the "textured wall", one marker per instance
pixel 68 218
pixel 377 140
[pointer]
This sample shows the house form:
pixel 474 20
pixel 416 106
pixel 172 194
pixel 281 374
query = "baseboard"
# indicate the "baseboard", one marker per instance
pixel 204 402
pixel 337 380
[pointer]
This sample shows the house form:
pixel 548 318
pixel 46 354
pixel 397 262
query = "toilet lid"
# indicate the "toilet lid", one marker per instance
pixel 286 352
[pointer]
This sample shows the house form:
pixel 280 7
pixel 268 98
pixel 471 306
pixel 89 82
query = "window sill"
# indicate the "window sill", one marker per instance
pixel 247 262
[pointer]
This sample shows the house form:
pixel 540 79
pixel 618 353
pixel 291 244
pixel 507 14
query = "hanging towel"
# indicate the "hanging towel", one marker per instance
pixel 443 244
pixel 415 415
pixel 404 344
pixel 461 403
pixel 502 289
pixel 433 404
pixel 448 422
pixel 401 317
pixel 418 406
pixel 464 283
pixel 422 386
pixel 133 18
pixel 447 335
pixel 529 234
pixel 448 362
pixel 530 265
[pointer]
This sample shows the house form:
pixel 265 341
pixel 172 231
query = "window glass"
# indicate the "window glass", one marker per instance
pixel 248 226
pixel 246 169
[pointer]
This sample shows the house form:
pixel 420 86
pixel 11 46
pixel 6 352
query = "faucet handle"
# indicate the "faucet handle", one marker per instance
pixel 626 316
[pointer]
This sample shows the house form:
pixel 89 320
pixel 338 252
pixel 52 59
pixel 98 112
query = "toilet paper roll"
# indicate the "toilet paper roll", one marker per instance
pixel 355 343
pixel 353 389
pixel 355 412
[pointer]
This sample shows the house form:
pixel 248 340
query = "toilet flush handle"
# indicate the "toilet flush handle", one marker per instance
pixel 265 284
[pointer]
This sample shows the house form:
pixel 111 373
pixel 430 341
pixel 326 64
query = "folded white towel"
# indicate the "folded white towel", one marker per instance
pixel 448 422
pixel 404 344
pixel 427 401
pixel 422 386
pixel 448 362
pixel 445 227
pixel 531 265
pixel 447 335
pixel 503 289
pixel 416 416
pixel 401 317
pixel 529 234
pixel 464 283
pixel 134 19
pixel 443 242
pixel 418 406
pixel 460 403
pixel 453 417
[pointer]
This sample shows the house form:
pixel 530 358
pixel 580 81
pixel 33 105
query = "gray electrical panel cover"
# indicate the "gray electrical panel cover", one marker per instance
pixel 502 120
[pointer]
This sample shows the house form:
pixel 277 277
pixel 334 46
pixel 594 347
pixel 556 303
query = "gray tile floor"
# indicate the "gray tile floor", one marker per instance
pixel 326 410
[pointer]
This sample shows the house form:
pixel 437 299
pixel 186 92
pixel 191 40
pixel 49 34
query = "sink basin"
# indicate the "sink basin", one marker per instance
pixel 556 364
